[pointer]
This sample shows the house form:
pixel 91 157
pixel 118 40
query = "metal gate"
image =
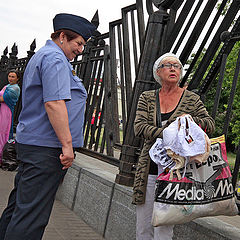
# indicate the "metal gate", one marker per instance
pixel 116 67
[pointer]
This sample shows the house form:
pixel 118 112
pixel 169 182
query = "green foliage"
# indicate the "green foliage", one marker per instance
pixel 226 7
pixel 235 121
pixel 234 127
pixel 233 136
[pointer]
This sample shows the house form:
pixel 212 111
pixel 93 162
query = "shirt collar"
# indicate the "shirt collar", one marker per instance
pixel 54 45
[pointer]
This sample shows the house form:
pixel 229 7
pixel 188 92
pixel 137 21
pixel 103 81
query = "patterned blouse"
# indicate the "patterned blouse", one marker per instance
pixel 145 126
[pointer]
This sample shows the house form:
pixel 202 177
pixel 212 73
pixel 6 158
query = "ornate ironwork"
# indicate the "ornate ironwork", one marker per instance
pixel 165 4
pixel 116 67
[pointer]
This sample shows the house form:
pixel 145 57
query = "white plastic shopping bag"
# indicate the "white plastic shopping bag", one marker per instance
pixel 184 137
pixel 183 141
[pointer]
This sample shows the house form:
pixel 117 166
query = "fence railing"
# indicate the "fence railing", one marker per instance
pixel 116 67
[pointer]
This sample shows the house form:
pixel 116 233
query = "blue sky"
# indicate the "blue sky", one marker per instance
pixel 21 21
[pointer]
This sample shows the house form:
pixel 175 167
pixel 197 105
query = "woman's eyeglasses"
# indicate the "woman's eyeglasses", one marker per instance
pixel 170 65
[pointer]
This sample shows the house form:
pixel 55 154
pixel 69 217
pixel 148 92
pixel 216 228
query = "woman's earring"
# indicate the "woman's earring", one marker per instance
pixel 61 42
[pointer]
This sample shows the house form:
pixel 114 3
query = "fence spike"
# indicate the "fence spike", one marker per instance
pixel 33 45
pixel 166 4
pixel 14 50
pixel 95 19
pixel 5 52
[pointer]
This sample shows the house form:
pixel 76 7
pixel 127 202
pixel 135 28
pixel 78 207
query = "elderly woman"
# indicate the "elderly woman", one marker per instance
pixel 172 102
pixel 50 127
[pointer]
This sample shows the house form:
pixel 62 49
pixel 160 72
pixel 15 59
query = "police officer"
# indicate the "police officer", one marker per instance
pixel 50 126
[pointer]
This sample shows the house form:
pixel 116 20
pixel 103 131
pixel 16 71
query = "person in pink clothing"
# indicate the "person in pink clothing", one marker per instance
pixel 8 98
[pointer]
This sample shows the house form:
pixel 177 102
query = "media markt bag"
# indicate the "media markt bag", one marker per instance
pixel 205 190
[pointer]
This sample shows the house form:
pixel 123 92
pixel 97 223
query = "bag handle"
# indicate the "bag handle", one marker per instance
pixel 159 118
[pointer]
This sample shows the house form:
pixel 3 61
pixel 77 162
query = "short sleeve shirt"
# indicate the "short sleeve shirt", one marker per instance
pixel 49 77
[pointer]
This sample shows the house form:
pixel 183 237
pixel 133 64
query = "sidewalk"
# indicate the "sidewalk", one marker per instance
pixel 63 225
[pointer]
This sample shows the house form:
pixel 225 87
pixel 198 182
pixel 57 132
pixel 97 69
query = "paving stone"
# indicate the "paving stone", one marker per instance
pixel 63 225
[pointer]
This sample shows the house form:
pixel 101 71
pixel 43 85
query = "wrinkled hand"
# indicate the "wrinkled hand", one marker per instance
pixel 186 114
pixel 66 157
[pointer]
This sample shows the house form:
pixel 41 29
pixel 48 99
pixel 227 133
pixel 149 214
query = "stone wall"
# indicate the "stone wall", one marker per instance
pixel 90 191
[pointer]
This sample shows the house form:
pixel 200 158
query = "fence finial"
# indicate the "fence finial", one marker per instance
pixel 5 52
pixel 14 50
pixel 32 48
pixel 33 45
pixel 95 19
pixel 166 4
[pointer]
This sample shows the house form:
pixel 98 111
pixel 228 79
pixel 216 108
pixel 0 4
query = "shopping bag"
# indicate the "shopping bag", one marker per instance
pixel 9 156
pixel 183 141
pixel 184 137
pixel 205 190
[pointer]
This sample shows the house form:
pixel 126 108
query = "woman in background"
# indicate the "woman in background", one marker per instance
pixel 8 98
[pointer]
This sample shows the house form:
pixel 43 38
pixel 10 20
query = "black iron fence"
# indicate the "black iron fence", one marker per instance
pixel 116 67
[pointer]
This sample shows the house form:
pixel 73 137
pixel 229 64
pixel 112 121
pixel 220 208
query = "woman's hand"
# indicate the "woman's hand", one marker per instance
pixel 66 157
pixel 58 117
pixel 185 114
pixel 1 99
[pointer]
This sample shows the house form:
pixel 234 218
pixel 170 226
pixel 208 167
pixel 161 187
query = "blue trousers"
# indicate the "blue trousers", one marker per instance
pixel 30 202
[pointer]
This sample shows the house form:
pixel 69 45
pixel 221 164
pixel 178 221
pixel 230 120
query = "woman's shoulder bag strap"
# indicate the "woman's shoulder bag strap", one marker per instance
pixel 159 119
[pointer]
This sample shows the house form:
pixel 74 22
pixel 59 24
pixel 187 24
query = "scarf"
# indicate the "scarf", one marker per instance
pixel 10 97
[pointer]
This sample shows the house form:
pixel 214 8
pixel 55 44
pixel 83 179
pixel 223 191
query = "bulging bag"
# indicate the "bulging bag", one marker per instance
pixel 205 190
pixel 9 157
pixel 184 137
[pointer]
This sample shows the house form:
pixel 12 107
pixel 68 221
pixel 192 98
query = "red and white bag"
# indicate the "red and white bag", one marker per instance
pixel 205 190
